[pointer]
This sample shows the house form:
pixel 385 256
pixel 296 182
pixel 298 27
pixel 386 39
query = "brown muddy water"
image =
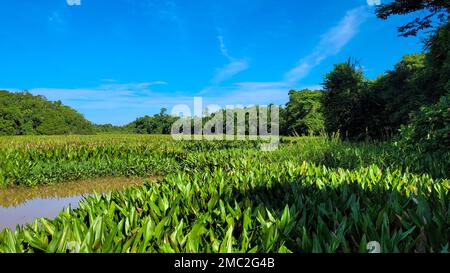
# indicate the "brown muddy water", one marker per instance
pixel 21 205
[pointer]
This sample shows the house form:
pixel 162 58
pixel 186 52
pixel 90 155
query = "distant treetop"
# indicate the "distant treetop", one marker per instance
pixel 22 113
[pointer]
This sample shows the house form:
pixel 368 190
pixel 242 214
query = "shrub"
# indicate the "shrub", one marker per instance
pixel 429 129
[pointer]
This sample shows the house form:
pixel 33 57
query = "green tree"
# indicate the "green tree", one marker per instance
pixel 22 113
pixel 430 128
pixel 303 112
pixel 432 12
pixel 437 64
pixel 342 92
pixel 401 91
pixel 158 124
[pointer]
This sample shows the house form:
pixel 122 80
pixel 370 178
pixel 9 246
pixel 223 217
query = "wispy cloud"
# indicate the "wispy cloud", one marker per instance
pixel 110 97
pixel 262 85
pixel 331 43
pixel 166 11
pixel 106 96
pixel 229 70
pixel 248 93
pixel 169 10
pixel 120 103
pixel 223 48
pixel 233 67
pixel 73 2
pixel 55 17
pixel 139 96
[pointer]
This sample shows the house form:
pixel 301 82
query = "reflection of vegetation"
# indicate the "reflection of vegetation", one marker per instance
pixel 18 195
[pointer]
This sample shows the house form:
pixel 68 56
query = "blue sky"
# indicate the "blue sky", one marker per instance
pixel 115 60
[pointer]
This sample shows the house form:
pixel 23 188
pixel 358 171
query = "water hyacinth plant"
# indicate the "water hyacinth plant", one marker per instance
pixel 231 197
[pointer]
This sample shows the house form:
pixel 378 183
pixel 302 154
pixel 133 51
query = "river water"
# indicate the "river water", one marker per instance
pixel 20 206
pixel 36 208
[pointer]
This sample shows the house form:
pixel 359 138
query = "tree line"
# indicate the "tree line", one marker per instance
pixel 22 113
pixel 411 101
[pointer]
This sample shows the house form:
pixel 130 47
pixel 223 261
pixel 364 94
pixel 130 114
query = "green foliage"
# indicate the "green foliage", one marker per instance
pixel 223 197
pixel 33 161
pixel 429 130
pixel 303 113
pixel 437 61
pixel 343 88
pixel 432 11
pixel 401 91
pixel 158 124
pixel 111 129
pixel 314 194
pixel 361 109
pixel 25 114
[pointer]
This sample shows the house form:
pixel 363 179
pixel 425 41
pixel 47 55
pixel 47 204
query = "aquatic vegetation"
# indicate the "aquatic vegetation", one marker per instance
pixel 314 194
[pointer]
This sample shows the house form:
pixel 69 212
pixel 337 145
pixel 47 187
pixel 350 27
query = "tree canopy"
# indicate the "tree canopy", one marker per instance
pixel 432 12
pixel 158 124
pixel 24 114
pixel 303 113
pixel 342 87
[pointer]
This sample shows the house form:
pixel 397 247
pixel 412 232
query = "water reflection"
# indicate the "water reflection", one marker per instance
pixel 36 208
pixel 19 206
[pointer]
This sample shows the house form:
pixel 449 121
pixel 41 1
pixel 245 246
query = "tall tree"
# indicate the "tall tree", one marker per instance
pixel 402 90
pixel 432 12
pixel 303 112
pixel 342 91
pixel 437 62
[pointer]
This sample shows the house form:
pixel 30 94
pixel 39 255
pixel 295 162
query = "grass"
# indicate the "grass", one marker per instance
pixel 313 194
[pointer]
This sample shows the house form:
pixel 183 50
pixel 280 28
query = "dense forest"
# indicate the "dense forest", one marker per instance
pixel 157 124
pixel 24 114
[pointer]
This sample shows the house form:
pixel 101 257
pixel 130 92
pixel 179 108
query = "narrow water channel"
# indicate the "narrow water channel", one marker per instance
pixel 20 206
pixel 41 207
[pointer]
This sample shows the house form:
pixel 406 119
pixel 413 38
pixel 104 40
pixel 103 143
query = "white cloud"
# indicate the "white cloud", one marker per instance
pixel 121 103
pixel 229 70
pixel 248 93
pixel 109 100
pixel 234 66
pixel 373 2
pixel 137 87
pixel 312 87
pixel 56 18
pixel 262 85
pixel 166 11
pixel 223 48
pixel 73 2
pixel 331 43
pixel 107 96
pixel 245 93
